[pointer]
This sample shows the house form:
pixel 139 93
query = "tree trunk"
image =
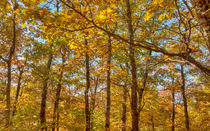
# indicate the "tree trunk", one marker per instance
pixel 93 101
pixel 44 94
pixel 144 82
pixel 8 90
pixel 134 86
pixel 58 90
pixel 108 101
pixel 57 98
pixel 9 66
pixel 87 110
pixel 153 124
pixel 184 100
pixel 124 97
pixel 173 108
pixel 124 109
pixel 17 92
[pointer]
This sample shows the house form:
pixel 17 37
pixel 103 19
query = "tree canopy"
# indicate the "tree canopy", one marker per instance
pixel 104 65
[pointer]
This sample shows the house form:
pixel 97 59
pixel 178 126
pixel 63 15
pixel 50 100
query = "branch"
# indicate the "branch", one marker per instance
pixel 5 60
pixel 148 46
pixel 78 29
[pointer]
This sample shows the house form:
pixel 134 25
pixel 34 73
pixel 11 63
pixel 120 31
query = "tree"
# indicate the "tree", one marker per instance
pixel 187 123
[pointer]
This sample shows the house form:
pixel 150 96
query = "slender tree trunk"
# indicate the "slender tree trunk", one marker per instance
pixel 153 124
pixel 108 92
pixel 124 108
pixel 8 94
pixel 44 94
pixel 57 98
pixel 9 66
pixel 58 90
pixel 56 104
pixel 134 86
pixel 93 101
pixel 87 110
pixel 187 123
pixel 144 82
pixel 17 92
pixel 173 108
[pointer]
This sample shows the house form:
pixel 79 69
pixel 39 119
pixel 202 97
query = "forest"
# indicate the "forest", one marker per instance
pixel 113 65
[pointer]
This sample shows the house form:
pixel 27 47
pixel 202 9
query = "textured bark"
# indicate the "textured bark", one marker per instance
pixel 8 90
pixel 44 94
pixel 134 86
pixel 87 110
pixel 108 92
pixel 173 104
pixel 57 98
pixel 187 123
pixel 9 66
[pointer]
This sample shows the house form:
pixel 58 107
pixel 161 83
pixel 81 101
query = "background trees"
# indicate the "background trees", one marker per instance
pixel 104 65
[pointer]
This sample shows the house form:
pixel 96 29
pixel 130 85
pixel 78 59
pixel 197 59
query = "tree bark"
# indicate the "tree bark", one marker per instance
pixel 18 91
pixel 144 82
pixel 187 125
pixel 58 90
pixel 57 98
pixel 9 66
pixel 124 109
pixel 134 86
pixel 44 93
pixel 108 92
pixel 153 124
pixel 93 101
pixel 173 106
pixel 87 110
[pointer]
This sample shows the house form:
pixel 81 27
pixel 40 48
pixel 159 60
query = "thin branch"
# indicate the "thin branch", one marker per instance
pixel 5 60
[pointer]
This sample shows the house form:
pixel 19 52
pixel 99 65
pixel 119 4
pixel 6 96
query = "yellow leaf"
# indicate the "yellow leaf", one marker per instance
pixel 148 15
pixel 23 25
pixel 72 46
pixel 161 17
pixel 109 10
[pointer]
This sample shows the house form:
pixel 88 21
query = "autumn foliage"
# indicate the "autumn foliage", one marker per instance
pixel 110 65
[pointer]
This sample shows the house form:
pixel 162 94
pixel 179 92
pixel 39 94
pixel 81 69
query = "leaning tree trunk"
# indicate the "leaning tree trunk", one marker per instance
pixel 173 106
pixel 187 123
pixel 134 86
pixel 87 110
pixel 108 92
pixel 44 94
pixel 57 97
pixel 9 66
pixel 18 91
